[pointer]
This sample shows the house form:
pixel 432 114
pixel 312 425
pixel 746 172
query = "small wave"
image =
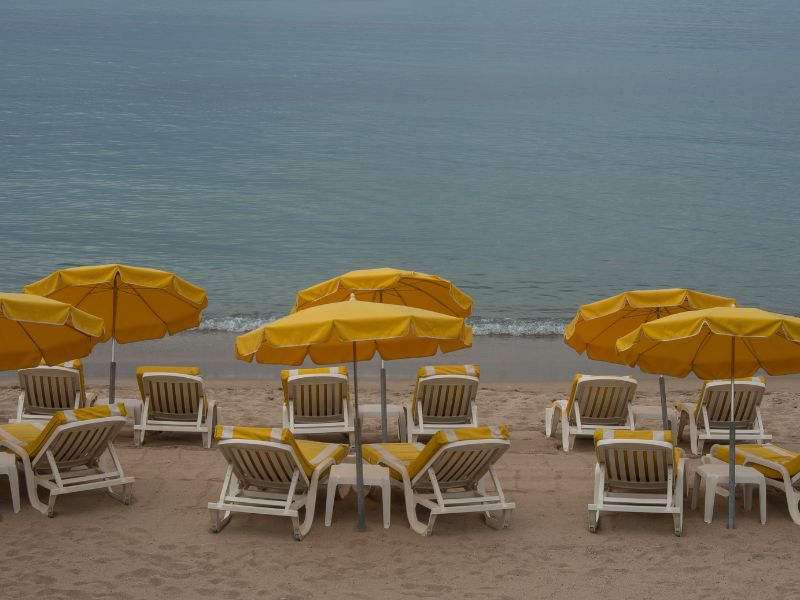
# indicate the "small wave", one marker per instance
pixel 480 325
pixel 517 327
pixel 234 323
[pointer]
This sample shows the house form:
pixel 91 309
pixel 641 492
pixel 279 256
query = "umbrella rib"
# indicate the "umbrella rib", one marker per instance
pixel 432 297
pixel 147 304
pixel 28 335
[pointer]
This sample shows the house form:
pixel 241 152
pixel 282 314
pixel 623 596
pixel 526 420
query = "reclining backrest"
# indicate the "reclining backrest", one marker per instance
pixel 270 464
pixel 49 389
pixel 445 394
pixel 174 396
pixel 602 400
pixel 460 457
pixel 636 458
pixel 715 396
pixel 317 398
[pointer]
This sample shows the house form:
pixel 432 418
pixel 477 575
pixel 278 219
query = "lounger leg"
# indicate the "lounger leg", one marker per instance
pixel 495 521
pixel 693 436
pixel 13 482
pixel 330 497
pixel 51 505
pixel 219 519
pixel 411 509
pixel 793 500
pixel 594 520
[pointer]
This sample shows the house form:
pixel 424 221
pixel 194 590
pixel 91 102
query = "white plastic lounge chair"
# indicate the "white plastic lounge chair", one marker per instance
pixel 317 401
pixel 637 471
pixel 780 467
pixel 271 473
pixel 709 417
pixel 174 402
pixel 47 390
pixel 446 475
pixel 595 402
pixel 444 398
pixel 70 454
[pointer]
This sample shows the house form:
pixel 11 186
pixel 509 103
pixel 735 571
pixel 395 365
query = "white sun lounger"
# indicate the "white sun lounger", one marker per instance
pixel 174 402
pixel 446 475
pixel 317 401
pixel 271 473
pixel 47 390
pixel 595 402
pixel 444 398
pixel 780 467
pixel 637 471
pixel 709 417
pixel 73 452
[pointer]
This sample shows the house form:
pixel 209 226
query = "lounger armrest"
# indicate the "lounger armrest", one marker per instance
pixel 91 399
pixel 321 468
pixel 19 452
pixel 774 466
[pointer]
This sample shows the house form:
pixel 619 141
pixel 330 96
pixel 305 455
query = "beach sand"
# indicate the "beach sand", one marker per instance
pixel 162 547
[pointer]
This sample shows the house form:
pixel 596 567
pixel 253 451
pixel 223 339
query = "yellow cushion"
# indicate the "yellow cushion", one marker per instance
pixel 402 453
pixel 572 391
pixel 156 369
pixel 414 457
pixel 32 444
pixel 286 373
pixel 309 454
pixel 627 434
pixel 788 459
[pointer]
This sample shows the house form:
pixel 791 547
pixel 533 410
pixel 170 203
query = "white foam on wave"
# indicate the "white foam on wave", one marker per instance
pixel 480 325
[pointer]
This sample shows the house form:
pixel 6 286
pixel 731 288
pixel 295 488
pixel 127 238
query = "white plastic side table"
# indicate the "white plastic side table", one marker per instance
pixel 8 466
pixel 392 412
pixel 716 474
pixel 345 474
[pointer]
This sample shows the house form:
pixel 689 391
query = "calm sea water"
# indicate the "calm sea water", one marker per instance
pixel 540 154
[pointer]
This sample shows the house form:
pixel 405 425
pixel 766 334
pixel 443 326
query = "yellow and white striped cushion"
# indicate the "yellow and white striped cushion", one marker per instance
pixel 309 454
pixel 786 458
pixel 286 373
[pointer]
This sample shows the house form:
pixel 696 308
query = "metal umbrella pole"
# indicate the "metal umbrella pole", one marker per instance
pixel 112 386
pixel 362 524
pixel 732 445
pixel 384 419
pixel 662 388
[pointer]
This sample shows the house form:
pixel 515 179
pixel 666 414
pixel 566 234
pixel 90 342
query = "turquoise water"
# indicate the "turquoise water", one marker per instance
pixel 539 154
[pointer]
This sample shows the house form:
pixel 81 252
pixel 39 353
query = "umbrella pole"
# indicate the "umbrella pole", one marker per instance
pixel 732 446
pixel 384 424
pixel 662 388
pixel 362 525
pixel 112 385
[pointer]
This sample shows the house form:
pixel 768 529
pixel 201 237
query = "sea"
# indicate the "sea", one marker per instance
pixel 540 154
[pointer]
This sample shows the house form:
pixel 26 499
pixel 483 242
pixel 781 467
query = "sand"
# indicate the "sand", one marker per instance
pixel 162 547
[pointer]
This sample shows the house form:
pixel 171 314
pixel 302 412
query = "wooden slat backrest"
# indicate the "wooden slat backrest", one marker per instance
pixel 316 398
pixel 49 389
pixel 446 399
pixel 262 465
pixel 632 463
pixel 176 397
pixel 747 398
pixel 81 443
pixel 462 465
pixel 604 401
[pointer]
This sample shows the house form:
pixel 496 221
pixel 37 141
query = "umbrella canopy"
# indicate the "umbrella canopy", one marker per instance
pixel 326 334
pixel 701 341
pixel 597 326
pixel 354 330
pixel 715 343
pixel 35 329
pixel 389 286
pixel 136 303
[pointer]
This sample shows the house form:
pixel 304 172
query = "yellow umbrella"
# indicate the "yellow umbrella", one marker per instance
pixel 136 303
pixel 33 329
pixel 354 330
pixel 597 326
pixel 716 343
pixel 388 286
